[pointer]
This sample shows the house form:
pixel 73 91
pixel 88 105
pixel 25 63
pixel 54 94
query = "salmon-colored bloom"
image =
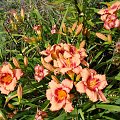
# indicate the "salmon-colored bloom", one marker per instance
pixel 40 72
pixel 8 78
pixel 109 16
pixel 92 84
pixel 58 95
pixel 111 22
pixel 65 57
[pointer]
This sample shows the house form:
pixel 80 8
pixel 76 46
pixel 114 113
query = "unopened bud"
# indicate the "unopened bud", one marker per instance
pixel 19 92
pixel 101 36
pixel 55 79
pixel 82 44
pixel 64 27
pixel 74 26
pixel 25 61
pixel 79 29
pixel 16 62
pixel 14 13
pixel 11 106
pixel 22 13
pixel 109 38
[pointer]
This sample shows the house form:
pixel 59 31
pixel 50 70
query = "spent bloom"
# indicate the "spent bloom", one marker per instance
pixel 59 96
pixel 53 30
pixel 40 72
pixel 117 47
pixel 92 84
pixel 40 115
pixel 8 78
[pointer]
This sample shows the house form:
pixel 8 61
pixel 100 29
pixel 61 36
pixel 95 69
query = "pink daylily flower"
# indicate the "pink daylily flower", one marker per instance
pixel 109 16
pixel 68 64
pixel 111 22
pixel 58 94
pixel 67 50
pixel 92 84
pixel 40 72
pixel 8 78
pixel 65 57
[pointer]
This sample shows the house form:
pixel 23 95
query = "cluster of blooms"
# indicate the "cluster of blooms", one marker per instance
pixel 8 78
pixel 109 16
pixel 67 59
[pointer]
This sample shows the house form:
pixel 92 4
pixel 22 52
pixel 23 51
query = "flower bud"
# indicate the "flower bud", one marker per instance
pixel 74 26
pixel 82 44
pixel 64 27
pixel 16 62
pixel 22 13
pixel 109 38
pixel 55 79
pixel 14 13
pixel 101 36
pixel 25 61
pixel 78 30
pixel 19 92
pixel 47 65
pixel 11 106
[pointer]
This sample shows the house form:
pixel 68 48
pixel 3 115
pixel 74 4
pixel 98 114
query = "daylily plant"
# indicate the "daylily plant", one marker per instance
pixel 66 59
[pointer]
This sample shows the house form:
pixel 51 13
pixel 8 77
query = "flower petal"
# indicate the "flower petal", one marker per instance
pixel 53 84
pixel 85 74
pixel 92 95
pixel 103 82
pixel 80 87
pixel 101 96
pixel 4 91
pixel 66 83
pixel 18 73
pixel 49 94
pixel 56 105
pixel 68 106
pixel 11 86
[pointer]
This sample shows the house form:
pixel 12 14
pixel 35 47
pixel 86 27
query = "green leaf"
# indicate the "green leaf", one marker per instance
pixel 109 107
pixel 118 76
pixel 61 117
pixel 58 1
pixel 98 54
pixel 90 23
pixel 45 105
pixel 2 116
pixel 81 113
pixel 108 118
